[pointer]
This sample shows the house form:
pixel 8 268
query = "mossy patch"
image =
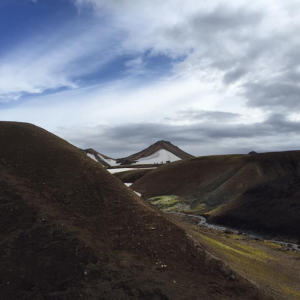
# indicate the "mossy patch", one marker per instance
pixel 214 210
pixel 165 203
pixel 271 245
pixel 196 210
pixel 290 291
pixel 240 249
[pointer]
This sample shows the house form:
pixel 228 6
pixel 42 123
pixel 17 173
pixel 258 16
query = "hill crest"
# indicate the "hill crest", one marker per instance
pixel 170 153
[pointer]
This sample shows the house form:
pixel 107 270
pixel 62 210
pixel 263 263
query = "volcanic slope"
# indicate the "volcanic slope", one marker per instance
pixel 70 230
pixel 103 159
pixel 160 152
pixel 211 184
pixel 271 207
pixel 132 176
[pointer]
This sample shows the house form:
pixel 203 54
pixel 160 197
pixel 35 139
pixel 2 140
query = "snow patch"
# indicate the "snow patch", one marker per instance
pixel 113 171
pixel 92 156
pixel 111 162
pixel 161 156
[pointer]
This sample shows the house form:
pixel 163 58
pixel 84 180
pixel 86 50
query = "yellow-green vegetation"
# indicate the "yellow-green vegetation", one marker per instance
pixel 240 249
pixel 215 210
pixel 271 245
pixel 169 203
pixel 236 236
pixel 196 210
pixel 164 202
pixel 260 262
pixel 288 290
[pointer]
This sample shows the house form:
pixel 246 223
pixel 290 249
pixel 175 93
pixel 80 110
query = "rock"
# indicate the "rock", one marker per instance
pixel 232 277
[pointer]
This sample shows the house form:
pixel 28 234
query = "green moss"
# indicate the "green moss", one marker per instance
pixel 290 291
pixel 240 249
pixel 215 210
pixel 163 202
pixel 236 236
pixel 197 210
pixel 255 263
pixel 271 245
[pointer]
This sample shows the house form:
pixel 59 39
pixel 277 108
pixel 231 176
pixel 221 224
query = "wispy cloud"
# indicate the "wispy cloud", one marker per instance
pixel 231 66
pixel 55 60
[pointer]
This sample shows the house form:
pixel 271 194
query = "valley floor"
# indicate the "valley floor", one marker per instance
pixel 273 268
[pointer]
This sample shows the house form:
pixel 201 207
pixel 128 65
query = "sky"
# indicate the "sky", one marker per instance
pixel 212 77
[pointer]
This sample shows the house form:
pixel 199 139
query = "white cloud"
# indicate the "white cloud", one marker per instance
pixel 55 60
pixel 224 48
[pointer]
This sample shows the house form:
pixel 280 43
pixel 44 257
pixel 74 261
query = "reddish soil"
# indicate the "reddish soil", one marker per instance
pixel 70 230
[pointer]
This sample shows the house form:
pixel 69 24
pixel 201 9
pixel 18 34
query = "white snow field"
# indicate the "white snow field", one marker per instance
pixel 113 171
pixel 92 156
pixel 161 156
pixel 110 162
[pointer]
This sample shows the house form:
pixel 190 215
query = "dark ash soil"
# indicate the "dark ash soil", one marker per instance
pixel 271 208
pixel 70 230
pixel 257 192
pixel 132 176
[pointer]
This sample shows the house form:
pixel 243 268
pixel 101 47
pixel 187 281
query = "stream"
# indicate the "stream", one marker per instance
pixel 203 222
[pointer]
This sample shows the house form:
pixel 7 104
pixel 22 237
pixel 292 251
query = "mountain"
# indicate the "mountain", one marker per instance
pixel 159 153
pixel 101 158
pixel 222 187
pixel 71 230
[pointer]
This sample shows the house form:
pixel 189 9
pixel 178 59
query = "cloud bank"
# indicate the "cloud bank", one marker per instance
pixel 214 77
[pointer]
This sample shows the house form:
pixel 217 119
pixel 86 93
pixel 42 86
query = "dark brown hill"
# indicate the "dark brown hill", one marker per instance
pixel 271 208
pixel 132 176
pixel 70 230
pixel 206 183
pixel 160 145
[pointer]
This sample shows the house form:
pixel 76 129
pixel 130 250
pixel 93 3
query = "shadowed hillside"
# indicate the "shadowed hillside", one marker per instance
pixel 70 230
pixel 269 208
pixel 132 176
pixel 208 184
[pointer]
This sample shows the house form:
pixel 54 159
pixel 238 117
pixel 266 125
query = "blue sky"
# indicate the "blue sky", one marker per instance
pixel 212 77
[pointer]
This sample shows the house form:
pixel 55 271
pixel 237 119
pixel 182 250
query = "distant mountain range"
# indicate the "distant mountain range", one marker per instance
pixel 161 152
